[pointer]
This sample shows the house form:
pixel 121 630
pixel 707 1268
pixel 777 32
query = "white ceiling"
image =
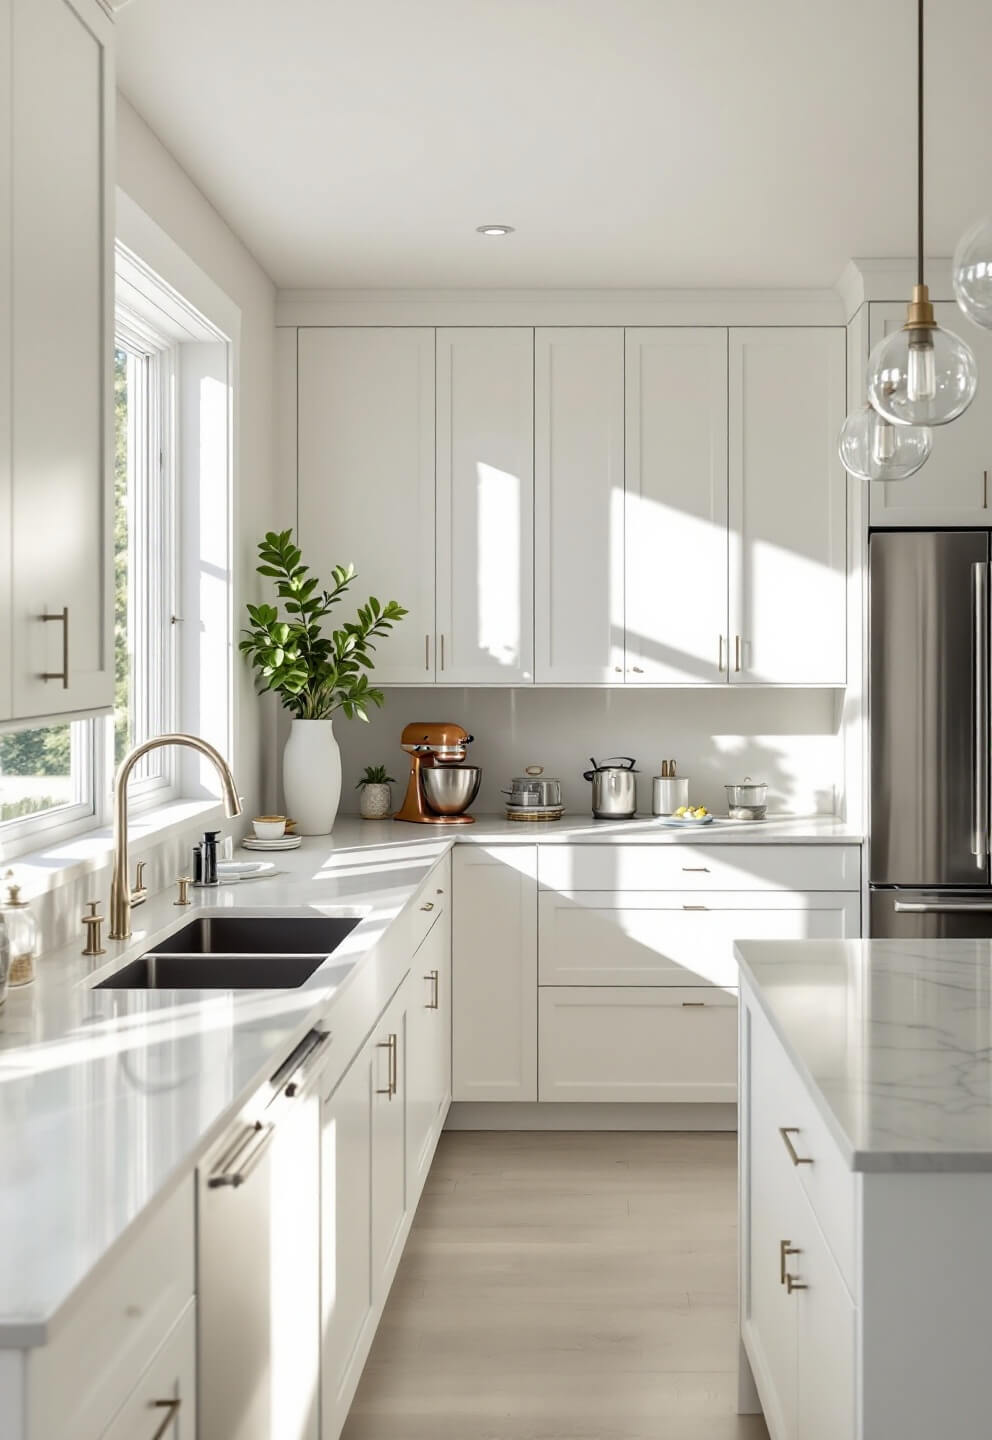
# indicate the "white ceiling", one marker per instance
pixel 632 143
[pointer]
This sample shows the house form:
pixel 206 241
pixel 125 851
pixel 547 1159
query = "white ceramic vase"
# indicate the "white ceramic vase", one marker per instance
pixel 311 776
pixel 375 801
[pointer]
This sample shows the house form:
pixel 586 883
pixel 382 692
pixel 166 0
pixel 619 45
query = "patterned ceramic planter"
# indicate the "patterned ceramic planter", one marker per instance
pixel 375 802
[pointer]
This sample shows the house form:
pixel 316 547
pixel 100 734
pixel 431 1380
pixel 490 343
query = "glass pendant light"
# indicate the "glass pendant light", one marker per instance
pixel 872 448
pixel 921 374
pixel 971 273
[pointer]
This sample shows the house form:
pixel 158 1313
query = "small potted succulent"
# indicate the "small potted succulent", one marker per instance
pixel 376 799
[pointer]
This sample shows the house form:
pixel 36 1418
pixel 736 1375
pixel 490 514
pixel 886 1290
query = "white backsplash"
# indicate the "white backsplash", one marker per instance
pixel 787 738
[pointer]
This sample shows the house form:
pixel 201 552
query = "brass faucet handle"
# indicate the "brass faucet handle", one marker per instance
pixel 184 882
pixel 140 891
pixel 93 924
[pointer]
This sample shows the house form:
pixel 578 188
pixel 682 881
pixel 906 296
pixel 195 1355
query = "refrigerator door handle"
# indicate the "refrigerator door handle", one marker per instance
pixel 921 907
pixel 979 843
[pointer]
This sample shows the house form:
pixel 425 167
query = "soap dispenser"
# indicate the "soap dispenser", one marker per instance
pixel 22 932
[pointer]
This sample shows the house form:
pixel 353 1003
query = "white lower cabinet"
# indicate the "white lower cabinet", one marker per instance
pixel 494 973
pixel 162 1405
pixel 428 1073
pixel 632 1044
pixel 389 1099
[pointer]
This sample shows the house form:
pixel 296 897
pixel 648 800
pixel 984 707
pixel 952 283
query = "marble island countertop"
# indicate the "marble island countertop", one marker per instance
pixel 893 1039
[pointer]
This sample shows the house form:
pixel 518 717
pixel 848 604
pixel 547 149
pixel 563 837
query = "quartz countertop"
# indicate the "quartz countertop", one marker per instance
pixel 582 829
pixel 893 1039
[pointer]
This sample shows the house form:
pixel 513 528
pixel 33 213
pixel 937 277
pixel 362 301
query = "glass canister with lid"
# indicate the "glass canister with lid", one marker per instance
pixel 534 789
pixel 21 929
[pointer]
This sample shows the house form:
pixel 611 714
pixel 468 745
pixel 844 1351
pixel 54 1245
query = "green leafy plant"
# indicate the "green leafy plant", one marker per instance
pixel 314 672
pixel 375 775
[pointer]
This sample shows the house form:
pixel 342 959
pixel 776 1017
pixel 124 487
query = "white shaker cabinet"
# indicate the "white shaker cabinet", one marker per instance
pixel 57 101
pixel 955 485
pixel 494 973
pixel 366 476
pixel 788 506
pixel 485 506
pixel 579 505
pixel 676 506
pixel 429 1051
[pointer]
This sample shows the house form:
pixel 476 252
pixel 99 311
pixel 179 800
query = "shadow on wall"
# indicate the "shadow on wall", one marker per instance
pixel 789 739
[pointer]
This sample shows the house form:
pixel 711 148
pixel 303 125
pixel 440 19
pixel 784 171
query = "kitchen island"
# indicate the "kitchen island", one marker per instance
pixel 866 1187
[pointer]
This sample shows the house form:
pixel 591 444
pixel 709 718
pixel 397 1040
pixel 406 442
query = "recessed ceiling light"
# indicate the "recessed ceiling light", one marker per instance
pixel 494 229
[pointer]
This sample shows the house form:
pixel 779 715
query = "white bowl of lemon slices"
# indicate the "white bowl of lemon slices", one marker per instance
pixel 688 815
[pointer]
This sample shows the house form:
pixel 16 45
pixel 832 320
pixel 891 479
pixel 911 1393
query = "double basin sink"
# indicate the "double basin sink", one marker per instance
pixel 236 952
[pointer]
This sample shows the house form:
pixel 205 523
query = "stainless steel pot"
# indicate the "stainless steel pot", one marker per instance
pixel 534 789
pixel 614 788
pixel 747 801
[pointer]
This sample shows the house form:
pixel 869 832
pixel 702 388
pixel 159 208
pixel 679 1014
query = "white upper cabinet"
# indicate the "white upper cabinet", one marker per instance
pixel 56 344
pixel 485 506
pixel 788 507
pixel 676 506
pixel 955 485
pixel 366 477
pixel 578 505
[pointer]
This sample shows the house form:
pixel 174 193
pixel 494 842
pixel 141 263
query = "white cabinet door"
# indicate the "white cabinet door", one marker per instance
pixel 366 478
pixel 61 446
pixel 827 1340
pixel 485 506
pixel 494 973
pixel 428 1051
pixel 165 1395
pixel 6 330
pixel 631 937
pixel 788 507
pixel 676 506
pixel 346 1240
pixel 389 1128
pixel 955 485
pixel 578 505
pixel 638 1044
pixel 772 1207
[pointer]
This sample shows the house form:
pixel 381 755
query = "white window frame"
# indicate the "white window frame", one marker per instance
pixel 21 834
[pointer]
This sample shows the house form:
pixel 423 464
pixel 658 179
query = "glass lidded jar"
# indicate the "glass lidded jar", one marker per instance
pixel 21 930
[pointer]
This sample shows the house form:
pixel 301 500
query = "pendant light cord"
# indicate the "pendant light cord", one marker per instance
pixel 919 143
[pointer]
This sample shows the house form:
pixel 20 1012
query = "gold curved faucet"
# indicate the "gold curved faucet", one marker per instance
pixel 120 890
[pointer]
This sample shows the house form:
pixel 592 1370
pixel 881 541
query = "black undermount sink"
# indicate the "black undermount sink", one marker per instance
pixel 235 952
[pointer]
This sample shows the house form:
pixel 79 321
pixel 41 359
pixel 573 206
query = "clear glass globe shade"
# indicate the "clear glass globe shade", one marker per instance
pixel 924 377
pixel 971 273
pixel 871 448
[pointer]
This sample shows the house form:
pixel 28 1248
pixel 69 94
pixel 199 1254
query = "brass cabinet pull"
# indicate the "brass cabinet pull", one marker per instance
pixel 693 1004
pixel 427 652
pixel 171 1407
pixel 786 1247
pixel 693 907
pixel 719 655
pixel 433 979
pixel 239 1163
pixel 792 1284
pixel 62 674
pixel 737 653
pixel 442 650
pixel 785 1131
pixel 389 1044
pixel 985 489
pixel 637 669
pixel 428 906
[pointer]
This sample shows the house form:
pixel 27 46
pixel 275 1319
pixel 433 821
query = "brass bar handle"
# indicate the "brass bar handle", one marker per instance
pixel 391 1083
pixel 427 653
pixel 693 1004
pixel 719 656
pixel 785 1247
pixel 433 979
pixel 442 649
pixel 791 1283
pixel 785 1131
pixel 985 489
pixel 171 1407
pixel 737 654
pixel 246 1155
pixel 62 674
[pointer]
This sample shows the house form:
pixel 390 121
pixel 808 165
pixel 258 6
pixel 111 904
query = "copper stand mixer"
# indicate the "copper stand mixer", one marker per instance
pixel 440 788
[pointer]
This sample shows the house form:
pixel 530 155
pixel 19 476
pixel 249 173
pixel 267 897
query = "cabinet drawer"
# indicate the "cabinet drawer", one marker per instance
pixel 80 1380
pixel 637 1044
pixel 699 867
pixel 166 1391
pixel 831 1188
pixel 636 937
pixel 434 897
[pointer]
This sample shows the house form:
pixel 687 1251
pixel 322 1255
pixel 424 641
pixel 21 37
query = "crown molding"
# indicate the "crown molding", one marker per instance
pixel 873 279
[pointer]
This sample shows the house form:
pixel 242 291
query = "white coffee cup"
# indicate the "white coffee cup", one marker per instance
pixel 669 795
pixel 269 827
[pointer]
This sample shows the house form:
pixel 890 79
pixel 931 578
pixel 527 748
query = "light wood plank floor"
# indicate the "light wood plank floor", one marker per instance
pixel 564 1287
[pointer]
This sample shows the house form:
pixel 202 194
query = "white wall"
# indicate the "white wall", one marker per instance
pixel 788 738
pixel 152 178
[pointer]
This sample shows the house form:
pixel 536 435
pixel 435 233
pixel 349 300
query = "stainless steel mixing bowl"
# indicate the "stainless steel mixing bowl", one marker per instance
pixel 450 789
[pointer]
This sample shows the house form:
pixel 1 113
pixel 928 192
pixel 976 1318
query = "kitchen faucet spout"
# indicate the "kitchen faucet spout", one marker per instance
pixel 120 889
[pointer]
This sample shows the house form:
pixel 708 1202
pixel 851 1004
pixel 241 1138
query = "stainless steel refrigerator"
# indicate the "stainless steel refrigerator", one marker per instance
pixel 930 741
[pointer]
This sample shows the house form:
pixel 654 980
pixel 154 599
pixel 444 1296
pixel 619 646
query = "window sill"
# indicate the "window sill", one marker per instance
pixel 51 866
